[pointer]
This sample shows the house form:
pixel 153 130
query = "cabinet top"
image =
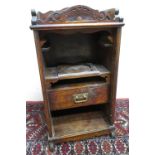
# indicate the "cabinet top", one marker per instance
pixel 77 16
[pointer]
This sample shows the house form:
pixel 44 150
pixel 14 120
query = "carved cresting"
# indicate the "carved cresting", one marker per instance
pixel 77 13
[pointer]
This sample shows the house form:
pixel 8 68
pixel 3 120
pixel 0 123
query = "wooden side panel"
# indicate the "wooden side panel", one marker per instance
pixel 41 71
pixel 114 72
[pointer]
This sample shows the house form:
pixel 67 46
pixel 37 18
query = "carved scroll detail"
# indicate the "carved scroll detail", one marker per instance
pixel 77 13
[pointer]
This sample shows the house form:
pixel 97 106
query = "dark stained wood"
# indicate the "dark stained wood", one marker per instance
pixel 75 71
pixel 75 17
pixel 79 46
pixel 77 13
pixel 83 136
pixel 63 97
pixel 72 26
pixel 76 47
pixel 68 127
pixel 45 97
pixel 78 55
pixel 116 49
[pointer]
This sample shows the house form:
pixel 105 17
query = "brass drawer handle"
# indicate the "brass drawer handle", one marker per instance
pixel 79 98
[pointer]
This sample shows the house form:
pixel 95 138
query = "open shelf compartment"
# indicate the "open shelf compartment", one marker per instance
pixel 83 123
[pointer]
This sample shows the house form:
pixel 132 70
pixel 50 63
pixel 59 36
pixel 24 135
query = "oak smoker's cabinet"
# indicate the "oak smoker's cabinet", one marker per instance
pixel 78 53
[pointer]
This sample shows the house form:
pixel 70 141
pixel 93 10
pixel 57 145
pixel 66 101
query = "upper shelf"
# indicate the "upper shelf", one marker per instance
pixel 63 72
pixel 79 16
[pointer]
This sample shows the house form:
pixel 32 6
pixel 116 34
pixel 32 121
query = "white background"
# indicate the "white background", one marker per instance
pixel 20 78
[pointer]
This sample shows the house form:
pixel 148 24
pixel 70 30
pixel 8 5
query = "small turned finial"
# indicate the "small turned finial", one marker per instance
pixel 33 12
pixel 119 19
pixel 34 17
pixel 116 11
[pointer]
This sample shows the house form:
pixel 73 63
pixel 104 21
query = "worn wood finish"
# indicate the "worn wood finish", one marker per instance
pixel 53 74
pixel 84 135
pixel 66 41
pixel 77 13
pixel 114 71
pixel 72 126
pixel 77 26
pixel 75 47
pixel 63 97
pixel 45 97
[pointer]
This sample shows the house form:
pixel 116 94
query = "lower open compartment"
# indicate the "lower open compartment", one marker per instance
pixel 80 123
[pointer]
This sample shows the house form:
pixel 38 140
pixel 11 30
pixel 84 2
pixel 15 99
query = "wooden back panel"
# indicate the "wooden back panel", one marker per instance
pixel 75 48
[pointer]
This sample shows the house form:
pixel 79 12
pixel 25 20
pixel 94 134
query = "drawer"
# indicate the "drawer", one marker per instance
pixel 78 95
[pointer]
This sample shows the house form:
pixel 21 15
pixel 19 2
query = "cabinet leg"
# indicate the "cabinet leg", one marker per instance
pixel 51 146
pixel 113 133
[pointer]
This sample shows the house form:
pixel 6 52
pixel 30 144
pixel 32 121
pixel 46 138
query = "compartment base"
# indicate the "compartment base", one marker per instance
pixel 80 126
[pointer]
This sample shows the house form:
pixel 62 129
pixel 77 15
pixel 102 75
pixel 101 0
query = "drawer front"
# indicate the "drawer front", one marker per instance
pixel 77 97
